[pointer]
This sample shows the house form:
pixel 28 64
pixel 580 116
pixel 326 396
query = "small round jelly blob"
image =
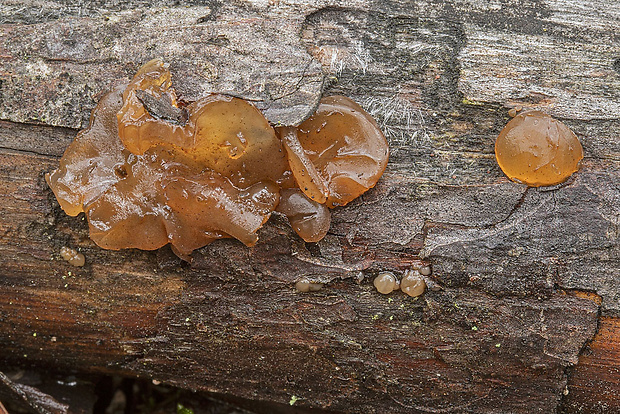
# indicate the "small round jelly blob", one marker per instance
pixel 306 285
pixel 412 284
pixel 537 150
pixel 386 283
pixel 72 256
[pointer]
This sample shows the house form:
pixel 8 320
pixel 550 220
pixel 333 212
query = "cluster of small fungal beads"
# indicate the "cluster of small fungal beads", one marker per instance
pixel 537 150
pixel 412 282
pixel 150 171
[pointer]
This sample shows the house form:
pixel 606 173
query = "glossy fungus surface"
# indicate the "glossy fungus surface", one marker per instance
pixel 166 184
pixel 309 219
pixel 412 283
pixel 386 283
pixel 306 285
pixel 336 154
pixel 150 170
pixel 226 135
pixel 72 256
pixel 537 150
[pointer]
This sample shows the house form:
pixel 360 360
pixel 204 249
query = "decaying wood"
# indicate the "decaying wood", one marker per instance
pixel 30 396
pixel 594 381
pixel 523 279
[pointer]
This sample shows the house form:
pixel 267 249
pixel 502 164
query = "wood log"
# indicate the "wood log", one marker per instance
pixel 522 313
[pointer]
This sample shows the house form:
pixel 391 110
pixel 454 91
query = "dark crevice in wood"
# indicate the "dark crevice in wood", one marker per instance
pixel 616 65
pixel 9 150
pixel 569 369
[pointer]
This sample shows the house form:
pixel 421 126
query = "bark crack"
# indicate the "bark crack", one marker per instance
pixel 29 152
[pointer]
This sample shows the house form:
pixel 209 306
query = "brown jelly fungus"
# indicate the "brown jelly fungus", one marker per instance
pixel 386 283
pixel 412 283
pixel 336 154
pixel 308 218
pixel 537 150
pixel 151 170
pixel 306 285
pixel 72 256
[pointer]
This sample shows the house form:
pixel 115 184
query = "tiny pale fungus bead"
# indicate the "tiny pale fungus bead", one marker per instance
pixel 386 282
pixel 412 283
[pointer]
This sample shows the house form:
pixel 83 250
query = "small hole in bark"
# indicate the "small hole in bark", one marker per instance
pixel 314 249
pixel 120 171
pixel 616 65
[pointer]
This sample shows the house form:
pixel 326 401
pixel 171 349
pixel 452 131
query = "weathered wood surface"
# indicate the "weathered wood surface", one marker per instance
pixel 522 276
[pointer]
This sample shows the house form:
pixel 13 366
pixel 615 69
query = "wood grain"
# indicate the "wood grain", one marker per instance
pixel 523 279
pixel 593 384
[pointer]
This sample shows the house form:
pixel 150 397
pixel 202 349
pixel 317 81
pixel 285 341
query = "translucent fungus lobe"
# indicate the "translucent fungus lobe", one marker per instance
pixel 537 150
pixel 336 154
pixel 225 134
pixel 72 256
pixel 150 170
pixel 185 185
pixel 386 283
pixel 93 161
pixel 412 283
pixel 309 219
pixel 306 285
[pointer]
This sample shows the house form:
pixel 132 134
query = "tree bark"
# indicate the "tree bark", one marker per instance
pixel 522 313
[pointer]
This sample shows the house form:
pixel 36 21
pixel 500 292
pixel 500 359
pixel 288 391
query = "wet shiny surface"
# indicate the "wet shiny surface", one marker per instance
pixel 386 283
pixel 537 150
pixel 412 283
pixel 309 219
pixel 150 171
pixel 162 196
pixel 338 153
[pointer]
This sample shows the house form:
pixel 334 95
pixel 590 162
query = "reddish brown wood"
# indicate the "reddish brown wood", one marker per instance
pixel 594 382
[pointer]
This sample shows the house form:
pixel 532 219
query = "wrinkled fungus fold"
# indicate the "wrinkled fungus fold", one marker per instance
pixel 308 218
pixel 150 170
pixel 336 154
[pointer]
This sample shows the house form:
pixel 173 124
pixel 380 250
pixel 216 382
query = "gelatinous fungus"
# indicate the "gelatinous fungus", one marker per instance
pixel 512 112
pixel 386 282
pixel 412 283
pixel 309 219
pixel 224 134
pixel 336 154
pixel 162 196
pixel 150 171
pixel 306 285
pixel 537 150
pixel 72 256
